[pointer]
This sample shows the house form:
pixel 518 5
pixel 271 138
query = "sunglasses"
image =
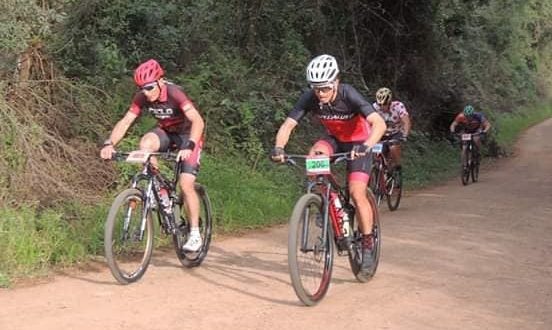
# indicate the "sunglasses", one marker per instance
pixel 324 89
pixel 149 88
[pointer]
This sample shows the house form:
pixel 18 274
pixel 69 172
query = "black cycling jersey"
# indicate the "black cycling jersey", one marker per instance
pixel 344 118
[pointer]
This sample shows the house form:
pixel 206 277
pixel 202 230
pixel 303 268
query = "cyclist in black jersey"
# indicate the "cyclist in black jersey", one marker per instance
pixel 180 126
pixel 351 124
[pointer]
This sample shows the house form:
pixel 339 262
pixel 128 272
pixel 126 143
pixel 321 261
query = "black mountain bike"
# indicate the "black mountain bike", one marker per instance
pixel 469 158
pixel 129 229
pixel 322 219
pixel 384 183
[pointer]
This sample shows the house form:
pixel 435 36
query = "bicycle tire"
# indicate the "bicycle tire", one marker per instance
pixel 194 259
pixel 475 168
pixel 129 262
pixel 394 190
pixel 465 170
pixel 305 226
pixel 355 253
pixel 374 183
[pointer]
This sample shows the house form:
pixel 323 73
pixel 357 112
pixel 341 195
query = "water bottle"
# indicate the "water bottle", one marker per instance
pixel 165 200
pixel 342 214
pixel 346 225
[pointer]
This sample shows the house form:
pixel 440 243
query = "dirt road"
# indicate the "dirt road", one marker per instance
pixel 453 257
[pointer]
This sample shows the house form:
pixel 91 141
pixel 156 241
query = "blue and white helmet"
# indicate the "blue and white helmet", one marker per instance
pixel 322 70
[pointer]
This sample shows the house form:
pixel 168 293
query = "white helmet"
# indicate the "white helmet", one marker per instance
pixel 322 70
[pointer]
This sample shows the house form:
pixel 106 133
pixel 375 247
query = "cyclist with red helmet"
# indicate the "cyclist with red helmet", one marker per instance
pixel 397 120
pixel 351 124
pixel 179 126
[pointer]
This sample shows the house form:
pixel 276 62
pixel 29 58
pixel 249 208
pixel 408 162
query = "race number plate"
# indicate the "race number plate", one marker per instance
pixel 137 156
pixel 378 148
pixel 466 137
pixel 317 165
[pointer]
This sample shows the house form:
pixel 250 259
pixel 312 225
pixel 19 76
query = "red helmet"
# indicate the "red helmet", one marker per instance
pixel 147 72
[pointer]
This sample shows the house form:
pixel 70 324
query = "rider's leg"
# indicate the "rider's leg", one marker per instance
pixel 187 178
pixel 151 142
pixel 395 156
pixel 477 145
pixel 358 182
pixel 357 189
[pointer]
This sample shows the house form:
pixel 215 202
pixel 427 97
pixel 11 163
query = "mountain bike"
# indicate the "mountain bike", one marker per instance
pixel 469 158
pixel 383 182
pixel 129 228
pixel 323 219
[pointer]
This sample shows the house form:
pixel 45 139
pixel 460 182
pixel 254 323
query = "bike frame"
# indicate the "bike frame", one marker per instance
pixel 327 183
pixel 146 174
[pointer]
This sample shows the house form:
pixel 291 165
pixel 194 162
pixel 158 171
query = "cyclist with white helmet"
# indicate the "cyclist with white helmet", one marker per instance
pixel 397 120
pixel 351 124
pixel 471 121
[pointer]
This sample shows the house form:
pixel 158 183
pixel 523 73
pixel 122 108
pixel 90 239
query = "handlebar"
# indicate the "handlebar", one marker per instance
pixel 335 158
pixel 123 155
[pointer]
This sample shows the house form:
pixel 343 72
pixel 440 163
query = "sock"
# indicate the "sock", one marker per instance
pixel 194 231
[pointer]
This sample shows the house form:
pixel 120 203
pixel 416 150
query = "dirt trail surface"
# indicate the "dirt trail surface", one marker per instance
pixel 453 257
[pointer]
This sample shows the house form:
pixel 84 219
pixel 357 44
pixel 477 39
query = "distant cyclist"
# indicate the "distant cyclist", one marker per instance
pixel 179 125
pixel 352 125
pixel 398 122
pixel 470 121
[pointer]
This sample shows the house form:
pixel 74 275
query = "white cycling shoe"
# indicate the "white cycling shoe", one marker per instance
pixel 193 244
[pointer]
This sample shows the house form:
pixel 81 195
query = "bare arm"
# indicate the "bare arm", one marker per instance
pixel 117 134
pixel 453 126
pixel 122 127
pixel 197 122
pixel 486 126
pixel 378 129
pixel 284 132
pixel 407 124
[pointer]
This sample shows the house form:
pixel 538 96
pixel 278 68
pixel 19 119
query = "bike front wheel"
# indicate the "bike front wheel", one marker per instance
pixel 187 258
pixel 355 252
pixel 128 236
pixel 475 168
pixel 310 254
pixel 394 189
pixel 465 172
pixel 375 184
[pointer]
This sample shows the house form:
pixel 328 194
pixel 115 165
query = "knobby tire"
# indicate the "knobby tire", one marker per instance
pixel 129 261
pixel 305 226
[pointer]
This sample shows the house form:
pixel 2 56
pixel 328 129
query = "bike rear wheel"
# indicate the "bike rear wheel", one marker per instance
pixel 187 258
pixel 310 257
pixel 127 248
pixel 355 253
pixel 465 171
pixel 394 189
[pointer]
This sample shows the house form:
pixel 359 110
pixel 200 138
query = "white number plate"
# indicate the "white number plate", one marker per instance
pixel 137 156
pixel 317 165
pixel 466 137
pixel 378 148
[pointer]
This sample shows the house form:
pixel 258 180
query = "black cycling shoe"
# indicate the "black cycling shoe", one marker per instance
pixel 367 253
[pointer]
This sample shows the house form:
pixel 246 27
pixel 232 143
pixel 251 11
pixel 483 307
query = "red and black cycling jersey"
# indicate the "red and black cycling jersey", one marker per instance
pixel 344 118
pixel 168 109
pixel 470 124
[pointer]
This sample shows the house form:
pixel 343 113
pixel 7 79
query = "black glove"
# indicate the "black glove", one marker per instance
pixel 277 154
pixel 360 149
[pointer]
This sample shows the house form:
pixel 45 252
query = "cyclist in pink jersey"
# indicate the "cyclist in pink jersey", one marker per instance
pixel 397 120
pixel 351 124
pixel 180 127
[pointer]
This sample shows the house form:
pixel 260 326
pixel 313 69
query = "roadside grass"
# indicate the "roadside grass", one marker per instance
pixel 510 126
